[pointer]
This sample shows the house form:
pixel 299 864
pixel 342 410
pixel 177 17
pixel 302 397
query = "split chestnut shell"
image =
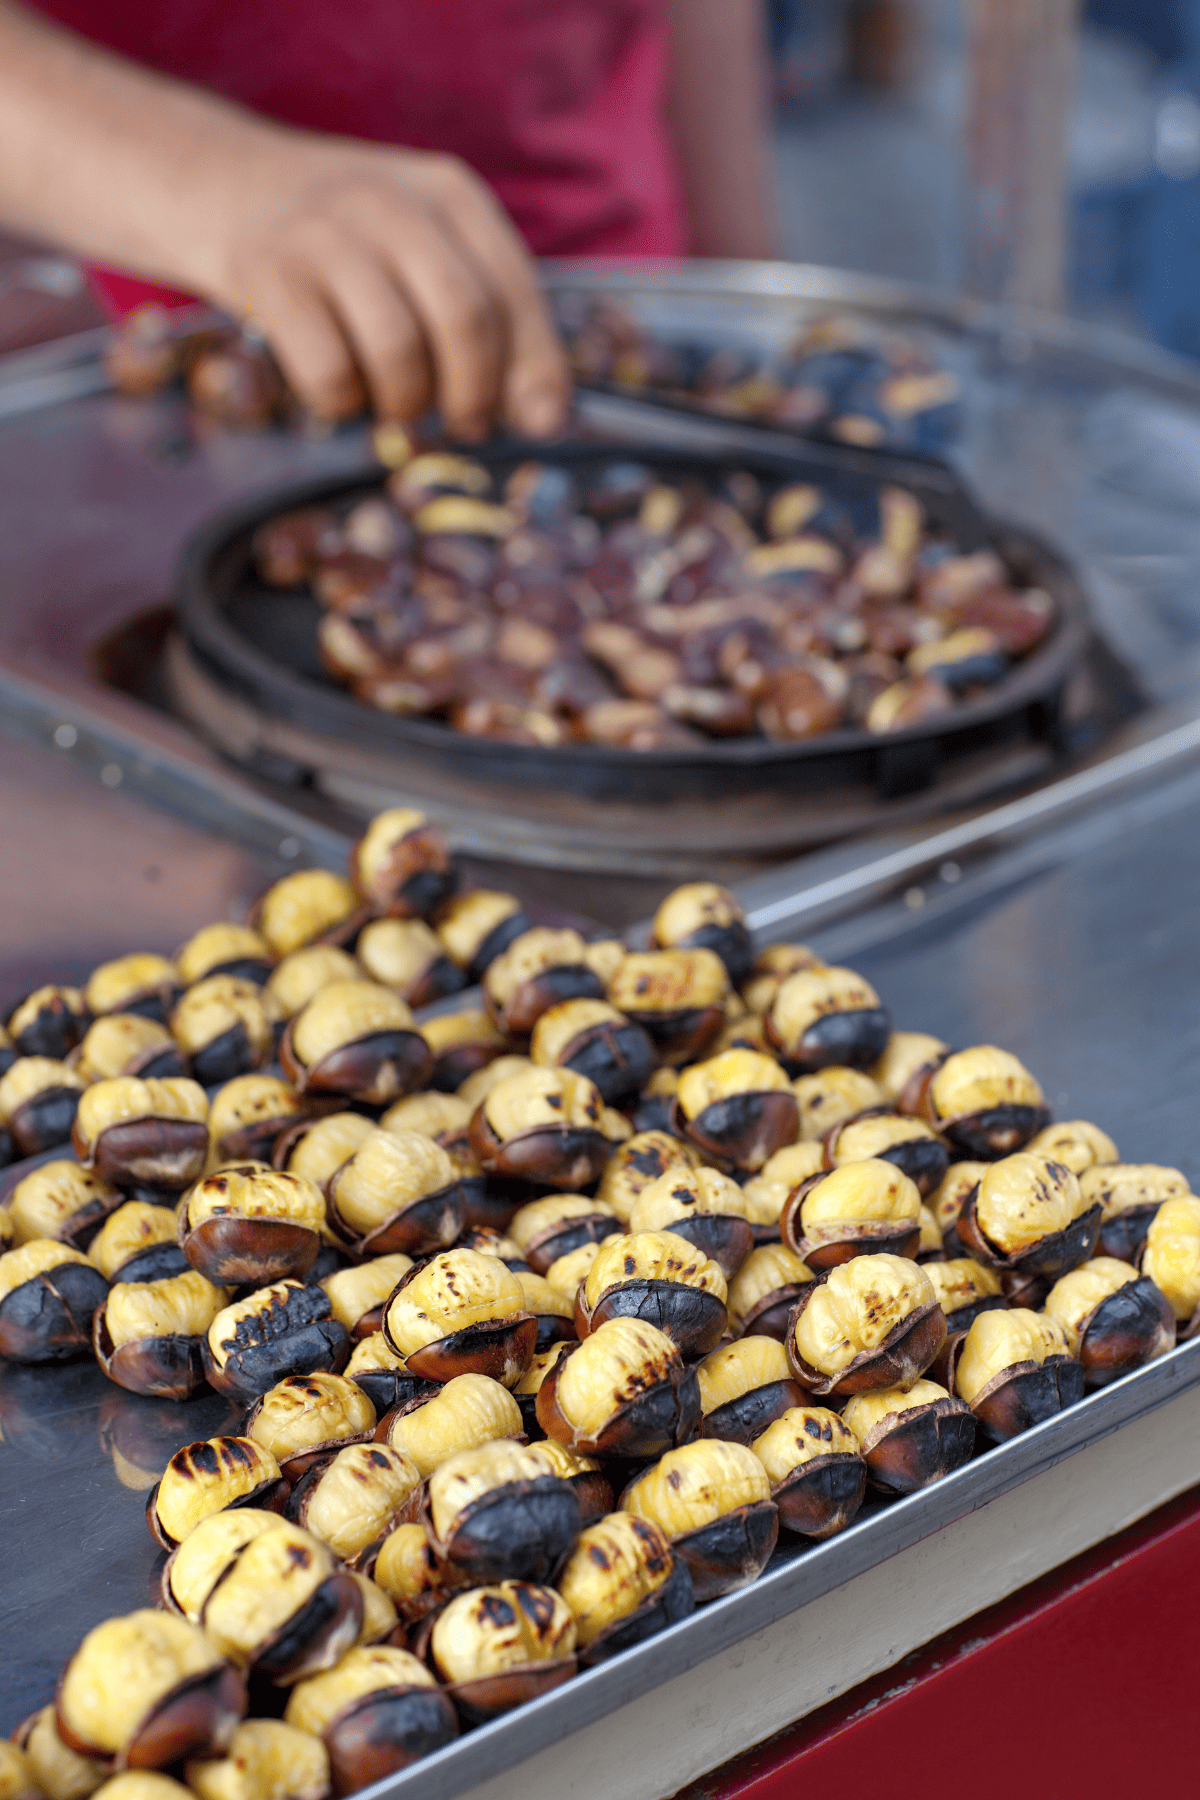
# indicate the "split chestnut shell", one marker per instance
pixel 265 1759
pixel 399 1191
pixel 63 1200
pixel 913 1146
pixel 1029 1219
pixel 1130 1195
pixel 249 1114
pixel 497 1512
pixel 223 1028
pixel 461 1313
pixel 965 1288
pixel 985 1101
pixel 497 1646
pixel 766 1289
pixel 249 1224
pixel 351 1498
pixel 281 1607
pixel 623 1583
pixel 402 865
pixel 677 996
pixel 659 1278
pixel 743 1387
pixel 287 1328
pixel 149 1335
pixel 542 1126
pixel 704 1208
pixel 357 1040
pixel 712 1501
pixel 144 1134
pixel 380 1373
pixel 1014 1369
pixel 357 1295
pixel 1115 1319
pixel 816 1470
pixel 378 1711
pixel 48 1294
pixel 633 1165
pixel 910 1437
pixel 549 1228
pixel 38 1101
pixel 539 969
pixel 873 1322
pixel 128 1044
pixel 738 1107
pixel 827 1015
pixel 702 916
pixel 593 1038
pixel 305 1417
pixel 624 1391
pixel 862 1207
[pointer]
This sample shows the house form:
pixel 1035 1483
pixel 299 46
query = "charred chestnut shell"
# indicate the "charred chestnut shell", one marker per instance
pixel 148 1336
pixel 498 1646
pixel 737 1107
pixel 594 1039
pixel 816 1470
pixel 461 1313
pixel 143 1134
pixel 48 1022
pixel 478 927
pixel 711 1499
pixel 377 1712
pixel 382 1375
pixel 542 1126
pixel 744 1386
pixel 1115 1319
pixel 1014 1370
pixel 549 1228
pixel 1016 1193
pixel 287 1328
pixel 913 1146
pixel 222 1026
pixel 249 1225
pixel 659 1278
pixel 623 1584
pixel 224 949
pixel 399 1191
pixel 498 1513
pixel 827 1016
pixel 282 1608
pixel 857 1301
pixel 357 1040
pixel 984 1101
pixel 627 1392
pixel 402 865
pixel 38 1101
pixel 539 969
pixel 210 1477
pixel 128 1044
pixel 48 1294
pixel 702 916
pixel 137 1243
pixel 677 996
pixel 910 1439
pixel 868 1207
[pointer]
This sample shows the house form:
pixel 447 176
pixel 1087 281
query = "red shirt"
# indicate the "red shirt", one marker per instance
pixel 557 104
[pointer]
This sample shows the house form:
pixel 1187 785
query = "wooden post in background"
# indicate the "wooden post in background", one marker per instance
pixel 1019 96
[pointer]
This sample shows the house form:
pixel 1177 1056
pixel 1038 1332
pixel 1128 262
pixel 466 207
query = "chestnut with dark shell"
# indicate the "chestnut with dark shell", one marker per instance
pixel 1049 1256
pixel 223 1473
pixel 764 1292
pixel 676 996
pixel 658 1278
pixel 479 926
pixel 646 1398
pixel 817 1473
pixel 911 1439
pixel 1130 1195
pixel 402 866
pixel 498 1338
pixel 539 969
pixel 143 1134
pixel 378 1733
pixel 405 954
pixel 1035 1376
pixel 326 1615
pixel 249 1115
pixel 868 1207
pixel 38 1102
pixel 827 1016
pixel 547 1229
pixel 542 1126
pixel 703 916
pixel 356 1040
pixel 863 1289
pixel 1115 1319
pixel 48 1022
pixel 595 1040
pixel 915 1148
pixel 224 949
pixel 382 1376
pixel 222 1025
pixel 62 1200
pixel 48 1294
pixel 598 1577
pixel 984 1101
pixel 703 1207
pixel 492 1610
pixel 168 1364
pixel 285 1329
pixel 249 1225
pixel 305 1418
pixel 731 1546
pixel 518 1522
pixel 738 1107
pixel 744 1387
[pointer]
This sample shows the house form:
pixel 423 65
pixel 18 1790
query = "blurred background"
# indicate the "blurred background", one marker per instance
pixel 921 139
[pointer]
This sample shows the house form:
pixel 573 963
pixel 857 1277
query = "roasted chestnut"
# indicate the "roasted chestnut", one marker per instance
pixel 1171 1257
pixel 659 1278
pixel 478 927
pixel 702 916
pixel 743 1386
pixel 624 1391
pixel 398 1191
pixel 128 1044
pixel 461 1313
pixel 307 907
pixel 712 1501
pixel 526 1391
pixel 738 1107
pixel 498 1646
pixel 48 1022
pixel 146 1690
pixel 546 1229
pixel 623 1584
pixel 149 1335
pixel 16 1775
pixel 566 1272
pixel 765 1290
pixel 38 1101
pixel 985 1101
pixel 869 1323
pixel 816 1470
pixel 1130 1195
pixel 1028 1218
pixel 583 1474
pixel 910 1437
pixel 357 1295
pixel 637 1162
pixel 539 969
pixel 210 1477
pixel 402 865
pixel 677 996
pixel 61 1200
pixel 480 1082
pixel 247 1116
pixel 912 1145
pixel 703 1207
pixel 48 1293
pixel 380 1618
pixel 1114 1318
pixel 293 982
pixel 137 1243
pixel 376 1712
pixel 771 967
pixel 404 954
pixel 380 1373
pixel 408 1572
pixel 468 1410
pixel 863 1206
pixel 553 1308
pixel 767 1193
pixel 266 1760
pixel 910 1056
pixel 223 1028
pixel 1015 1369
pixel 352 1498
pixel 281 1607
pixel 1076 1143
pixel 833 1095
pixel 224 949
pixel 210 1548
pixel 305 1417
pixel 542 1126
pixel 317 1148
pixel 356 1039
pixel 826 1016
pixel 965 1288
pixel 143 1134
pixel 958 1184
pixel 249 1224
pixel 142 983
pixel 595 1040
pixel 497 1512
pixel 460 1043
pixel 60 1774
pixel 285 1329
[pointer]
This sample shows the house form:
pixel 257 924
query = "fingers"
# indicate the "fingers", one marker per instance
pixel 306 336
pixel 378 323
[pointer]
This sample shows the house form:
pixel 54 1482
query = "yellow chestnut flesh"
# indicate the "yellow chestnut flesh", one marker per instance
pixel 202 1479
pixel 856 1307
pixel 314 1704
pixel 998 1340
pixel 452 1291
pixel 114 983
pixel 252 1191
pixel 123 1098
pixel 736 1369
pixel 765 1271
pixel 651 1256
pixel 801 1435
pixel 302 1411
pixel 978 1079
pixel 1118 1186
pixel 266 1760
pixel 681 1194
pixel 831 1096
pixel 302 907
pixel 666 981
pixel 867 1192
pixel 465 1478
pixel 1172 1255
pixel 213 945
pixel 732 1072
pixel 327 1144
pixel 46 1200
pixel 123 1668
pixel 388 1171
pixel 535 1098
pixel 695 1484
pixel 488 1631
pixel 1075 1296
pixel 353 1292
pixel 292 984
pixel 342 1012
pixel 352 1501
pixel 618 1564
pixel 1075 1143
pixel 612 1366
pixel 864 1412
pixel 907 1053
pixel 1024 1199
pixel 179 1306
pixel 274 1576
pixel 468 1410
pixel 961 1281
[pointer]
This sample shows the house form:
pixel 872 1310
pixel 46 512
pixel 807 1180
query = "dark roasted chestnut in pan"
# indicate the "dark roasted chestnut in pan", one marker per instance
pixel 48 1293
pixel 984 1101
pixel 1171 1257
pixel 677 996
pixel 293 982
pixel 867 1206
pixel 965 1288
pixel 478 927
pixel 224 949
pixel 247 1116
pixel 310 906
pixel 1114 1318
pixel 461 1313
pixel 546 1229
pixel 496 1647
pixel 910 1437
pixel 1076 1143
pixel 317 1148
pixel 381 1374
pixel 702 916
pixel 146 1690
pixel 712 1501
pixel 223 1028
pixel 766 1194
pixel 1014 1369
pixel 143 1134
pixel 38 1101
pixel 466 1411
pixel 378 1711
pixel 277 1331
pixel 538 970
pixel 141 983
pixel 48 1022
pixel 662 1279
pixel 637 1162
pixel 910 1056
pixel 398 1191
pixel 357 1294
pixel 738 1107
pixel 1028 1218
pixel 704 1208
pixel 765 1290
pixel 355 1039
pixel 282 1608
pixel 402 865
pixel 216 1475
pixel 305 1417
pixel 353 1497
pixel 827 1016
pixel 542 1126
pixel 405 955
pixel 743 1386
pixel 498 1513
pixel 553 1308
pixel 623 1584
pixel 460 1044
pixel 1130 1195
pixel 265 1759
pixel 149 1335
pixel 623 1391
pixel 61 1200
pixel 595 1040
pixel 869 1323
pixel 910 1144
pixel 815 1467
pixel 249 1224
pixel 128 1044
pixel 770 968
pixel 137 1243
pixel 60 1774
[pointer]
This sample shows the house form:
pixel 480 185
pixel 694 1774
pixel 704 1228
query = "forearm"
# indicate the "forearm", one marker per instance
pixel 719 118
